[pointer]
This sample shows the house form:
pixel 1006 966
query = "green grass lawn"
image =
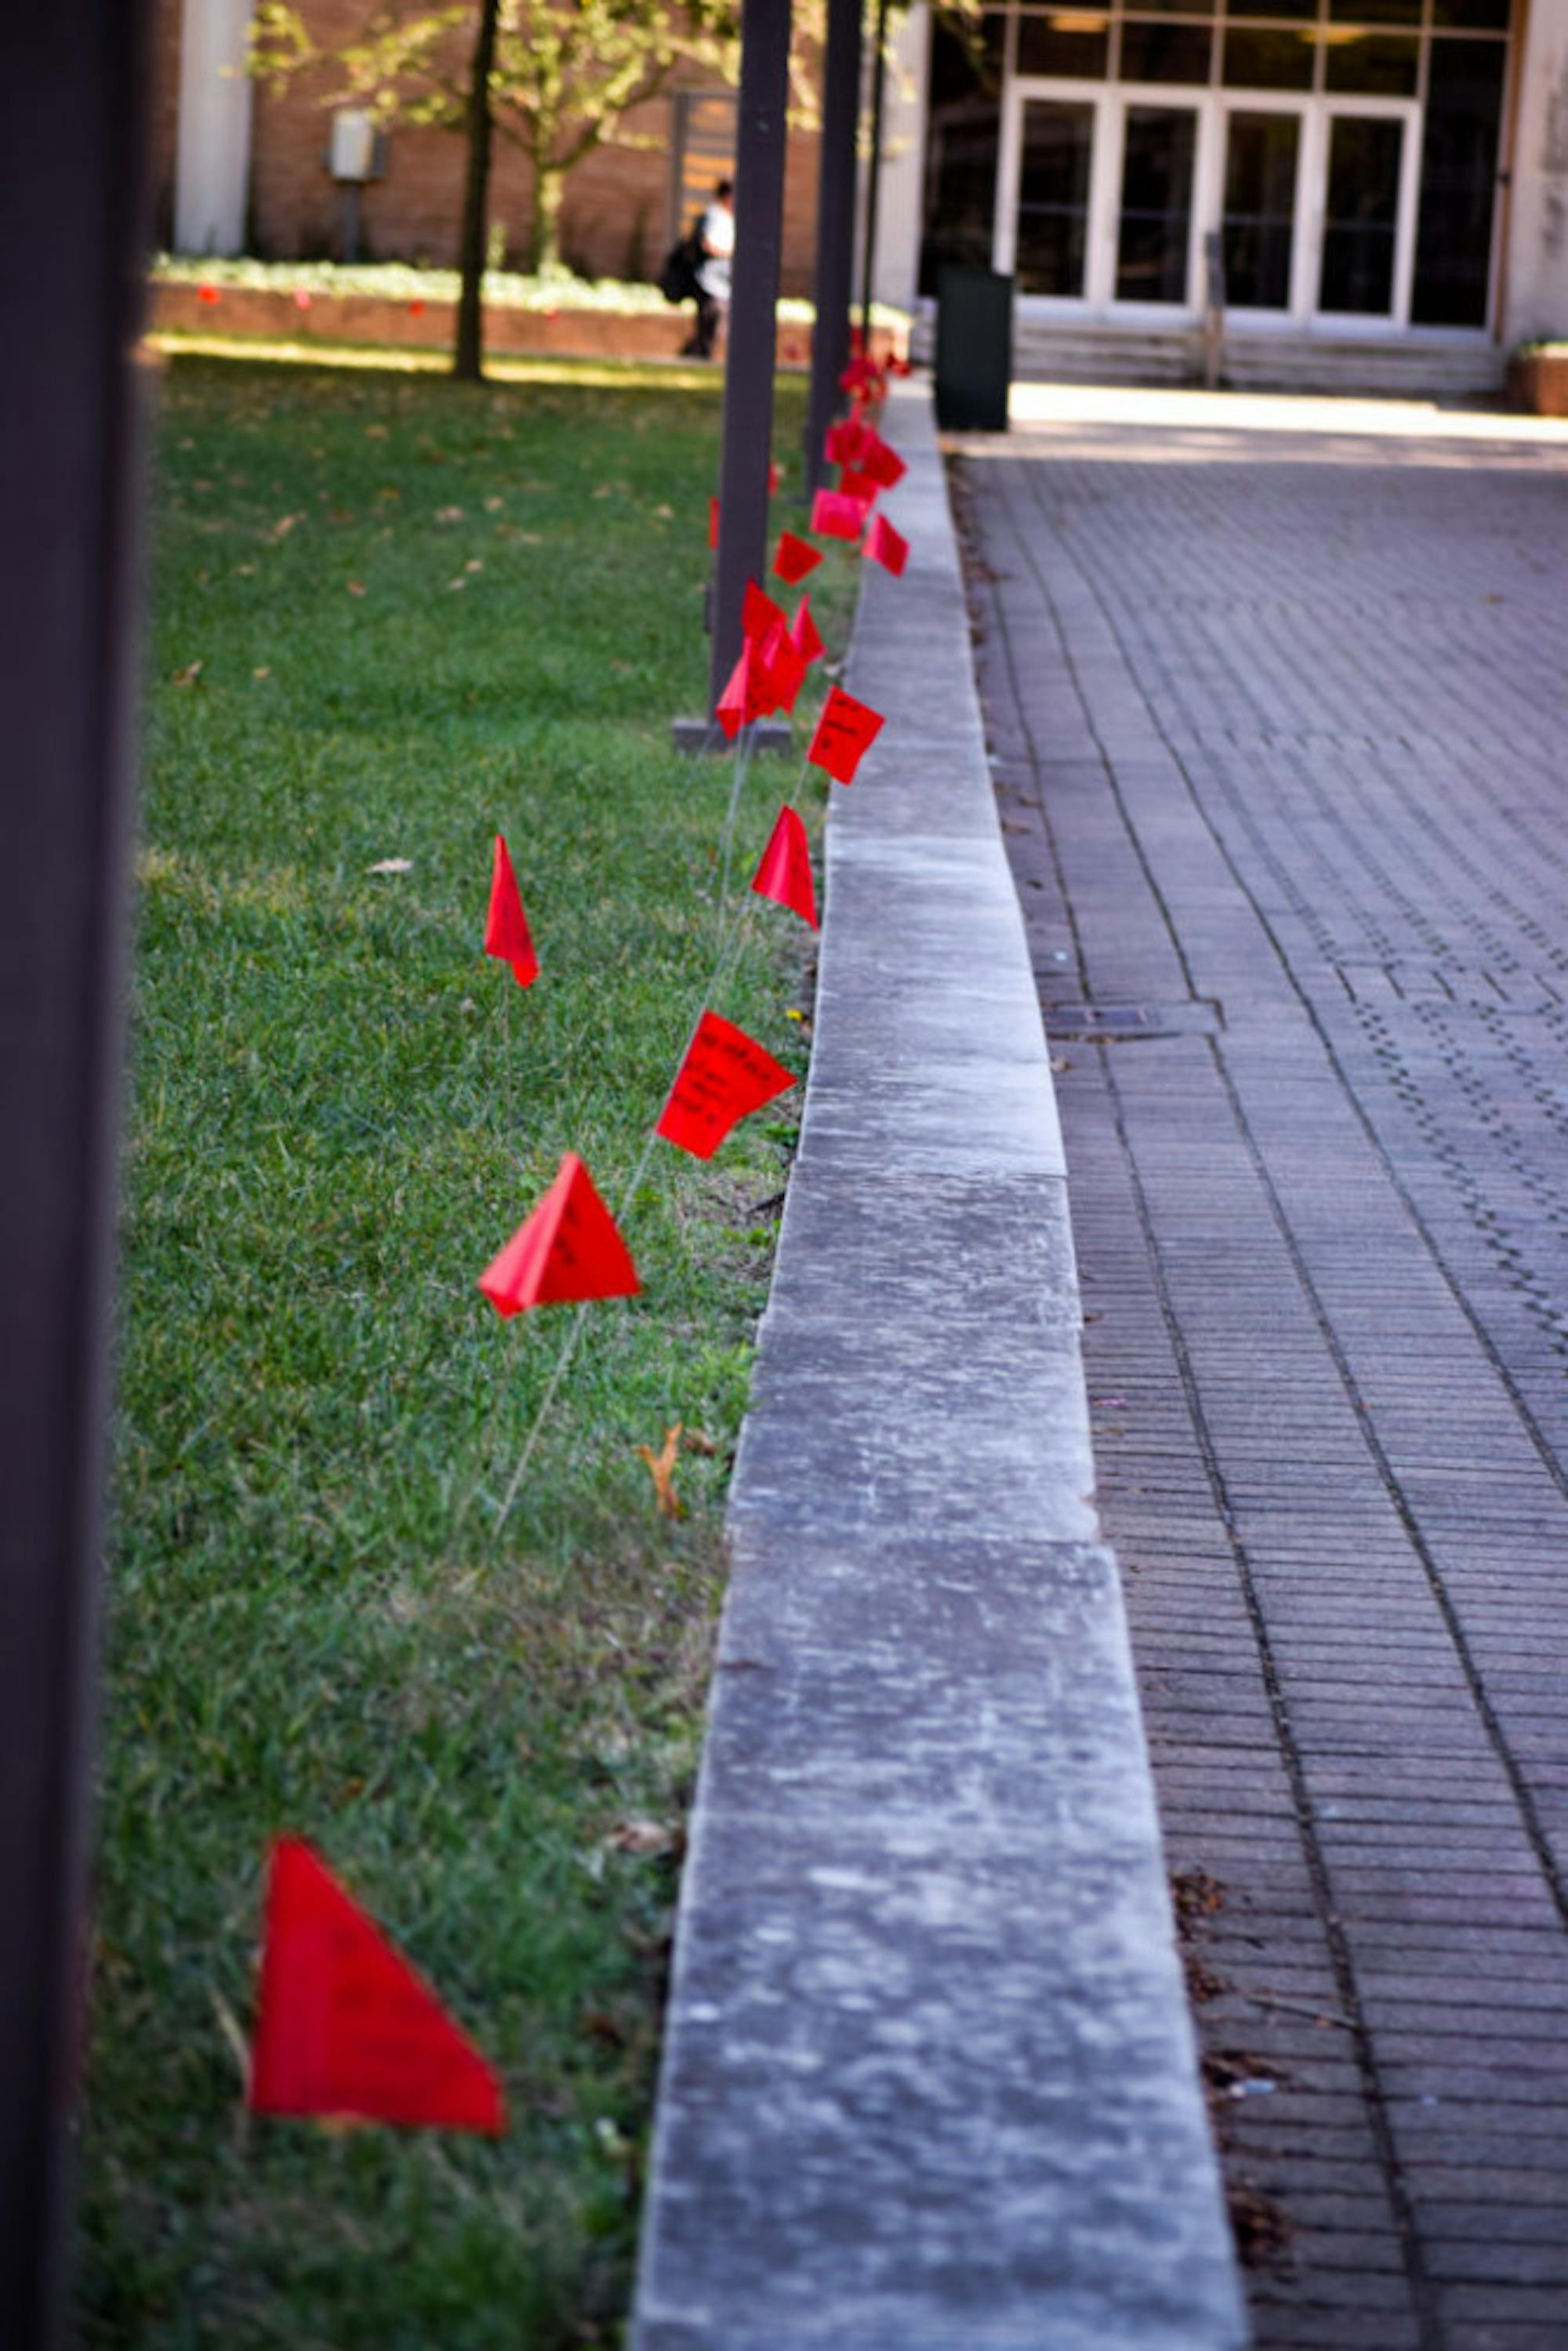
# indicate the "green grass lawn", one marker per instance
pixel 419 614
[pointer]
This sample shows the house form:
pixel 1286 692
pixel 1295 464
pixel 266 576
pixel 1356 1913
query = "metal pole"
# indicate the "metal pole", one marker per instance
pixel 835 227
pixel 749 354
pixel 874 171
pixel 75 112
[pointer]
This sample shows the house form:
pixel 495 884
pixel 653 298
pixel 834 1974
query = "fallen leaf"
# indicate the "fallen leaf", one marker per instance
pixel 640 1836
pixel 245 571
pixel 356 587
pixel 391 865
pixel 475 563
pixel 282 527
pixel 458 582
pixel 448 513
pixel 259 674
pixel 377 431
pixel 494 506
pixel 389 494
pixel 186 676
pixel 698 1443
pixel 661 1470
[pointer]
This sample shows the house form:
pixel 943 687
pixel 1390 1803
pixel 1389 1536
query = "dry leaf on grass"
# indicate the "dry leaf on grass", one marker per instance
pixel 186 676
pixel 356 587
pixel 391 865
pixel 661 1470
pixel 641 1837
pixel 448 513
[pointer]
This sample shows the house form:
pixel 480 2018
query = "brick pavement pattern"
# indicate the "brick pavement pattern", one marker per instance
pixel 1279 729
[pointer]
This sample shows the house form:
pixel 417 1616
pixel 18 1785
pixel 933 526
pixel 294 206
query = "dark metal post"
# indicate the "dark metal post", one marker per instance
pixel 874 171
pixel 749 356
pixel 835 227
pixel 74 119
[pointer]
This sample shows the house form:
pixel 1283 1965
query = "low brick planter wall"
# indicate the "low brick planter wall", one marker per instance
pixel 276 313
pixel 1538 382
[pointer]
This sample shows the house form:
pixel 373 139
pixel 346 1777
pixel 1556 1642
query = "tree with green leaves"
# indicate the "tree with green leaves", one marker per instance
pixel 557 78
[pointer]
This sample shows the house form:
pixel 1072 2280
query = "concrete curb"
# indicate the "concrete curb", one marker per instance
pixel 928 2081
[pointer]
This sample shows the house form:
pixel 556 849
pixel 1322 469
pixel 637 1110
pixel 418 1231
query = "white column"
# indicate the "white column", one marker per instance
pixel 1535 299
pixel 900 201
pixel 212 158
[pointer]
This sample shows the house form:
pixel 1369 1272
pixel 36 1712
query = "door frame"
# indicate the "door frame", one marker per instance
pixel 1406 110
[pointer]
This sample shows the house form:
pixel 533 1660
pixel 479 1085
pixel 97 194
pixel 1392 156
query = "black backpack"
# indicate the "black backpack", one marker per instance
pixel 677 280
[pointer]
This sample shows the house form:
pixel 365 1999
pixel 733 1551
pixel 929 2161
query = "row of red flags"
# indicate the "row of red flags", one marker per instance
pixel 344 2026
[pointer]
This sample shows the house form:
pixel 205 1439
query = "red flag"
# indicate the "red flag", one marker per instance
pixel 786 666
pixel 773 477
pixel 713 522
pixel 206 294
pixel 804 633
pixel 886 546
pixel 744 696
pixel 565 1250
pixel 860 375
pixel 758 613
pixel 843 445
pixel 835 517
pixel 897 366
pixel 344 2026
pixel 858 486
pixel 881 464
pixel 506 933
pixel 725 1075
pixel 784 873
pixel 793 557
pixel 845 733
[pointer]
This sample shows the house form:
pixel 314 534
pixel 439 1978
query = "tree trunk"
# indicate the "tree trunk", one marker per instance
pixel 468 363
pixel 549 188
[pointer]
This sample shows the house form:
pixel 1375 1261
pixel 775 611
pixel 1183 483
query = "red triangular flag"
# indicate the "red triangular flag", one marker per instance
pixel 506 933
pixel 835 517
pixel 713 522
pixel 858 486
pixel 860 374
pixel 886 546
pixel 784 873
pixel 744 697
pixel 897 366
pixel 845 733
pixel 786 666
pixel 842 445
pixel 758 613
pixel 565 1250
pixel 793 557
pixel 880 464
pixel 804 633
pixel 344 2026
pixel 725 1075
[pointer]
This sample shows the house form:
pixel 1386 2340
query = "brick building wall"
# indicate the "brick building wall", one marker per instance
pixel 616 208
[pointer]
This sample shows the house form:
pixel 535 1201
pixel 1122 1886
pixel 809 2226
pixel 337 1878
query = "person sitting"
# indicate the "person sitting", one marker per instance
pixel 715 238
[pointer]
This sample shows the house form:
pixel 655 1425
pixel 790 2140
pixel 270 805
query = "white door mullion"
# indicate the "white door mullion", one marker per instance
pixel 1105 201
pixel 1005 221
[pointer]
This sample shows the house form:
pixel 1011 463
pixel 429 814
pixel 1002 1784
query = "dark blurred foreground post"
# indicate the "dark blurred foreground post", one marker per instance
pixel 835 228
pixel 873 173
pixel 749 356
pixel 73 131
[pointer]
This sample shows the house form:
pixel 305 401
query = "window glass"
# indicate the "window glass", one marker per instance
pixel 1053 197
pixel 1375 12
pixel 1154 235
pixel 1258 226
pixel 1165 52
pixel 1374 64
pixel 1473 15
pixel 1361 214
pixel 1266 57
pixel 1458 183
pixel 962 136
pixel 1069 42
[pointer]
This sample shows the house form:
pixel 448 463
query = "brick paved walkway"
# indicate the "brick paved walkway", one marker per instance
pixel 1280 726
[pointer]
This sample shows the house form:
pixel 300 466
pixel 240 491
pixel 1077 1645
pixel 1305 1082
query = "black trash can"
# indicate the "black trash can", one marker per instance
pixel 974 349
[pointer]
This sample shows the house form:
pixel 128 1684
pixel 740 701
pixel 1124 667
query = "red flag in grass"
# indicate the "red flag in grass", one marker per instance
pixel 784 873
pixel 886 546
pixel 861 375
pixel 565 1250
pixel 858 486
pixel 842 445
pixel 793 557
pixel 835 517
pixel 713 522
pixel 804 633
pixel 758 613
pixel 845 733
pixel 344 2026
pixel 725 1075
pixel 786 665
pixel 881 464
pixel 745 698
pixel 507 933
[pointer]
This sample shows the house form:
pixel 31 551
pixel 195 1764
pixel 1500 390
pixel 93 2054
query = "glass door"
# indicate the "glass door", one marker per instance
pixel 1369 169
pixel 1260 189
pixel 1156 244
pixel 1055 150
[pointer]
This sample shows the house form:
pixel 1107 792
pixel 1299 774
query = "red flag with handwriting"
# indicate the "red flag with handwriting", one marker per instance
pixel 793 557
pixel 785 665
pixel 725 1075
pixel 784 871
pixel 885 546
pixel 845 733
pixel 880 462
pixel 745 695
pixel 844 440
pixel 344 2026
pixel 507 933
pixel 835 517
pixel 803 634
pixel 758 613
pixel 565 1250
